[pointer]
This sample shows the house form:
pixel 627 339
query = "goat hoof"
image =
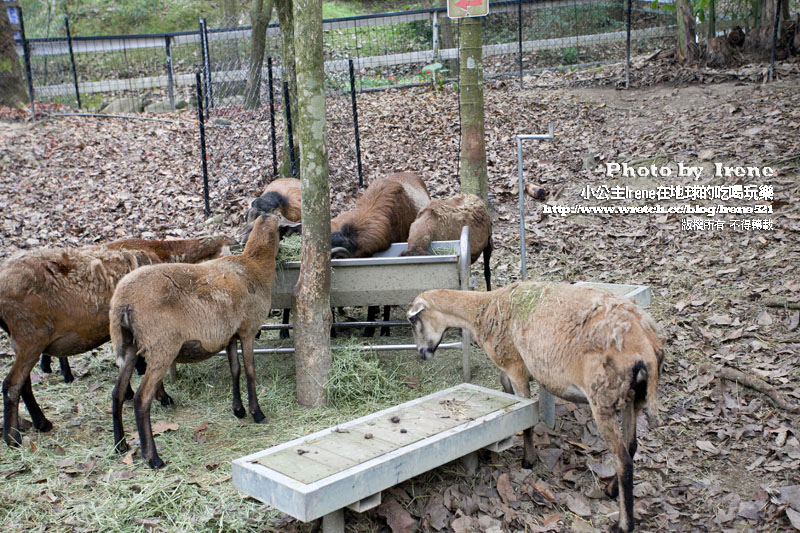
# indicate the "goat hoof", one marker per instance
pixel 167 401
pixel 616 529
pixel 239 412
pixel 69 378
pixel 122 447
pixel 259 417
pixel 528 465
pixel 284 334
pixel 155 463
pixel 369 332
pixel 46 368
pixel 44 425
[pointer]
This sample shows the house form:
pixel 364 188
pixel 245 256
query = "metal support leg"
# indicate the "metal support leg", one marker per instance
pixel 333 522
pixel 547 407
pixel 470 462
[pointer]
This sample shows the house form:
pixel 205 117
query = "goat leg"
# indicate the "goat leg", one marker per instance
pixel 118 396
pixel 162 396
pixel 45 364
pixel 387 310
pixel 66 371
pixel 40 422
pixel 13 387
pixel 284 333
pixel 609 430
pixel 233 363
pixel 250 375
pixel 142 401
pixel 372 314
pixel 517 377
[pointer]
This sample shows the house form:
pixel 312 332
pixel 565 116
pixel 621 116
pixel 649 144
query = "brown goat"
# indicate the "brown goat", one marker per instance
pixel 188 313
pixel 282 196
pixel 55 301
pixel 381 216
pixel 576 342
pixel 442 220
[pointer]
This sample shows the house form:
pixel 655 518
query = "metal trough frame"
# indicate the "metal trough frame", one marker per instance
pixel 354 283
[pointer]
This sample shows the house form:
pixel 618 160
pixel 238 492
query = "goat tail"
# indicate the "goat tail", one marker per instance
pixel 121 330
pixel 645 391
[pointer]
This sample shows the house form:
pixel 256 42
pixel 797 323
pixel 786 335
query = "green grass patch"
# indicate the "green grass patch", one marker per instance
pixel 290 249
pixel 335 10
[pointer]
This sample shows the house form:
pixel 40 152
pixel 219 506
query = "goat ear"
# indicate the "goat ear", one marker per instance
pixel 287 228
pixel 416 309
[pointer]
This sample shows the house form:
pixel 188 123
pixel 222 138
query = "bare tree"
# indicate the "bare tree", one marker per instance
pixel 312 293
pixel 473 173
pixel 687 50
pixel 260 14
pixel 12 84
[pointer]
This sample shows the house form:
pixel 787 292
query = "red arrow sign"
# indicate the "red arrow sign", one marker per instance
pixel 464 4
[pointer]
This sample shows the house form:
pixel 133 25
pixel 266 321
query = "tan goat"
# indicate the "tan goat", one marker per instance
pixel 55 301
pixel 188 313
pixel 576 342
pixel 442 220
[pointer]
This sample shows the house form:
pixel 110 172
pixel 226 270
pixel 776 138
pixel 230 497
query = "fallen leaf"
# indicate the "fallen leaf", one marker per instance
pixel 397 518
pixel 603 470
pixel 578 504
pixel 706 446
pixel 794 517
pixel 505 490
pixel 163 426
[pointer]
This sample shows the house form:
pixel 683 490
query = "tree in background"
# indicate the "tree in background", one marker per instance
pixel 687 50
pixel 260 14
pixel 285 20
pixel 473 173
pixel 12 85
pixel 312 292
pixel 759 39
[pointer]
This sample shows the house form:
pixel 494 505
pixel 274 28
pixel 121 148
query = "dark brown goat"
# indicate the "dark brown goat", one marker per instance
pixel 282 196
pixel 442 220
pixel 55 301
pixel 188 313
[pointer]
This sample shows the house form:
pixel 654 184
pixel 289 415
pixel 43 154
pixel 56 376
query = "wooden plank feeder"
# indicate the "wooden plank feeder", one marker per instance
pixel 350 464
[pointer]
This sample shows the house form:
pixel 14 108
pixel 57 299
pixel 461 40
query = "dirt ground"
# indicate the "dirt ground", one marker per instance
pixel 725 457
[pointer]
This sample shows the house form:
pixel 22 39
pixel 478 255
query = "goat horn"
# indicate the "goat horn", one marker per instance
pixel 340 252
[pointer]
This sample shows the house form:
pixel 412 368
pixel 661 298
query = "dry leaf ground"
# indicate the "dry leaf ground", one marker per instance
pixel 720 459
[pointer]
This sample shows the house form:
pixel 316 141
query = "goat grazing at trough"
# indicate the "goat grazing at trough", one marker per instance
pixel 54 301
pixel 578 343
pixel 188 313
pixel 442 220
pixel 282 197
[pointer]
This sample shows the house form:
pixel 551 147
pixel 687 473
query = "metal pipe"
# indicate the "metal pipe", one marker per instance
pixel 389 323
pixel 72 62
pixel 201 121
pixel 170 72
pixel 355 123
pixel 628 45
pixel 520 138
pixel 464 263
pixel 287 106
pixel 376 348
pixel 519 38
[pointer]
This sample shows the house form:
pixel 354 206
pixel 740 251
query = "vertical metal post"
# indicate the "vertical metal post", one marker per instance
pixel 355 122
pixel 628 44
pixel 201 121
pixel 287 106
pixel 519 39
pixel 547 406
pixel 72 62
pixel 204 48
pixel 26 50
pixel 170 72
pixel 435 38
pixel 774 40
pixel 272 117
pixel 466 338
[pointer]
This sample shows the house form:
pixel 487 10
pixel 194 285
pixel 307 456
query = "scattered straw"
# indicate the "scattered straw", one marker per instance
pixel 290 249
pixel 525 298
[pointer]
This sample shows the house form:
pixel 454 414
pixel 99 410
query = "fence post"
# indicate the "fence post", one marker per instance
pixel 774 40
pixel 287 106
pixel 435 38
pixel 355 122
pixel 201 121
pixel 519 39
pixel 170 72
pixel 204 48
pixel 72 62
pixel 628 44
pixel 272 117
pixel 26 50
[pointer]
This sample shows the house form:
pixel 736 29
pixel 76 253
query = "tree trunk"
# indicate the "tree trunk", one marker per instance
pixel 312 292
pixel 285 19
pixel 759 40
pixel 12 83
pixel 687 47
pixel 712 19
pixel 260 14
pixel 230 12
pixel 447 38
pixel 472 174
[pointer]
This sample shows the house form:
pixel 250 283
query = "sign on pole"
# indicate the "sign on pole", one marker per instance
pixel 457 9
